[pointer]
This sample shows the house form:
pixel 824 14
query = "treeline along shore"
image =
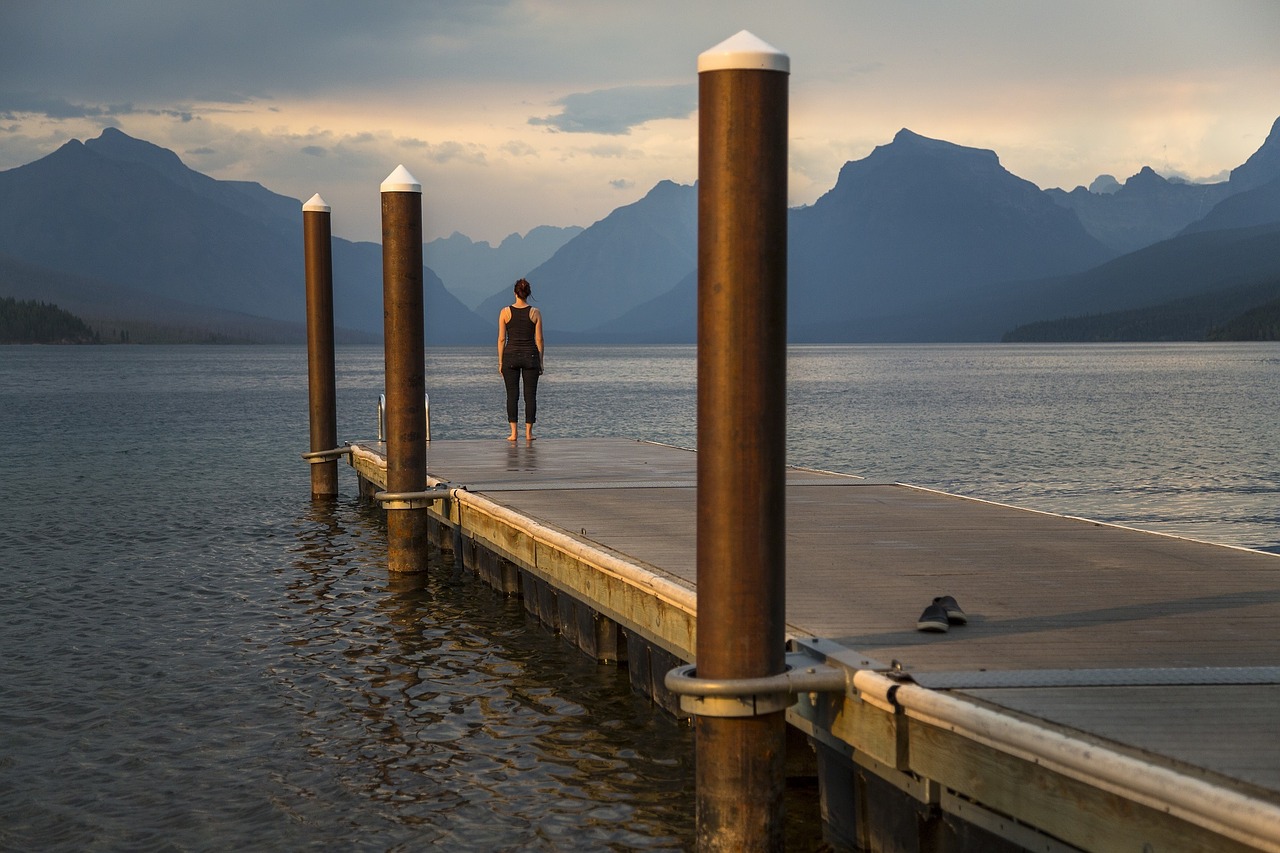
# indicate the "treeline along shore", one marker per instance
pixel 30 322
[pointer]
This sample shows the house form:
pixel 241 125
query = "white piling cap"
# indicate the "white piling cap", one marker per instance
pixel 318 204
pixel 400 181
pixel 744 51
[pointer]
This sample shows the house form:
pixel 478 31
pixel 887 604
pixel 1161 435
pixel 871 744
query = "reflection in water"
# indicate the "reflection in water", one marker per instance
pixel 522 456
pixel 457 714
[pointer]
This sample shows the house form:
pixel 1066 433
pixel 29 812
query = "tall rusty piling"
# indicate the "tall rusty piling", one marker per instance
pixel 321 383
pixel 406 421
pixel 742 302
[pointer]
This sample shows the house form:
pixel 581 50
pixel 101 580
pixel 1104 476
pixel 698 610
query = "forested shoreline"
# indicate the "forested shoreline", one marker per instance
pixel 30 322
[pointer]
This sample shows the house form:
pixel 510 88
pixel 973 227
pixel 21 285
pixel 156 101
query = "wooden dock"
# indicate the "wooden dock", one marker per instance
pixel 1112 690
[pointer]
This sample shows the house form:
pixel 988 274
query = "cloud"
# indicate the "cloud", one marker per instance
pixel 13 104
pixel 253 91
pixel 235 51
pixel 518 148
pixel 616 111
pixel 1216 178
pixel 445 152
pixel 612 151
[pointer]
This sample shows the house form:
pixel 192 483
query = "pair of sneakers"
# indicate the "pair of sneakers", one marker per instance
pixel 941 615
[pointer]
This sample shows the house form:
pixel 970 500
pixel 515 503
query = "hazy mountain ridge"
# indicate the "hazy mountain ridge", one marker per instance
pixel 1207 316
pixel 922 239
pixel 121 314
pixel 1260 323
pixel 634 254
pixel 1258 205
pixel 961 289
pixel 1181 268
pixel 473 271
pixel 1148 208
pixel 80 211
pixel 129 215
pixel 918 220
pixel 1262 166
pixel 1145 209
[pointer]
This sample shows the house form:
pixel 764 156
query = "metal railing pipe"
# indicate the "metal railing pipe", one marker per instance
pixel 319 457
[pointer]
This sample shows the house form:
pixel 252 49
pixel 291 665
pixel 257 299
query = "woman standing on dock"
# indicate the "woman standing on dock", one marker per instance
pixel 520 357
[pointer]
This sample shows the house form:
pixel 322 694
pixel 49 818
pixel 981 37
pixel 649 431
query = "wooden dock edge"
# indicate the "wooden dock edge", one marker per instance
pixel 892 775
pixel 613 609
pixel 963 767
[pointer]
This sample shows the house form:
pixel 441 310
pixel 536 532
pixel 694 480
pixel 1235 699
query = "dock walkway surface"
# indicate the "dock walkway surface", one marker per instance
pixel 1112 687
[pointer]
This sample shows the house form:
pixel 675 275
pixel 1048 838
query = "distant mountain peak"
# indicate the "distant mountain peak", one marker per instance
pixel 69 146
pixel 918 159
pixel 1262 166
pixel 114 144
pixel 666 188
pixel 1104 185
pixel 907 136
pixel 909 141
pixel 1273 138
pixel 1146 176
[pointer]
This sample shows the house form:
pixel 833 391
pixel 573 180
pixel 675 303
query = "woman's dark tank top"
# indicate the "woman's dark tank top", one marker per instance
pixel 520 338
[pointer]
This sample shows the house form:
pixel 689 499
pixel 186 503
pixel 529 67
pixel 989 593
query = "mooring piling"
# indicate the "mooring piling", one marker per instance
pixel 742 300
pixel 402 306
pixel 321 383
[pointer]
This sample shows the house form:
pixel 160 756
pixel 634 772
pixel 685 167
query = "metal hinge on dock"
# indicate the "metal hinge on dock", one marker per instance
pixel 753 697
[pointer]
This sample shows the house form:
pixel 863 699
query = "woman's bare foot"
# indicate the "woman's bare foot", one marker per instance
pixel 512 435
pixel 528 433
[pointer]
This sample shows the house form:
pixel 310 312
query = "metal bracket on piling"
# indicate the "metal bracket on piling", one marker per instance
pixel 753 697
pixel 315 457
pixel 413 500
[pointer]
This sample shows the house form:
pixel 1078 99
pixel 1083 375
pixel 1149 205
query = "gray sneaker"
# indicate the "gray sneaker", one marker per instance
pixel 954 614
pixel 934 618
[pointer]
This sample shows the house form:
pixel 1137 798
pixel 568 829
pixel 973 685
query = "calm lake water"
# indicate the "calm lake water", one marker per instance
pixel 193 656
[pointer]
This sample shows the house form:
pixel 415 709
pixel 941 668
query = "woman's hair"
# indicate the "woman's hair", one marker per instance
pixel 523 289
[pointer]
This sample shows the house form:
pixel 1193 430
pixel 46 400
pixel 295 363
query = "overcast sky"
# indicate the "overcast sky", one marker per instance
pixel 518 113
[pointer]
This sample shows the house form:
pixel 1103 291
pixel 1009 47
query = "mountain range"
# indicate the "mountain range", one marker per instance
pixel 120 232
pixel 472 268
pixel 921 240
pixel 924 240
pixel 633 255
